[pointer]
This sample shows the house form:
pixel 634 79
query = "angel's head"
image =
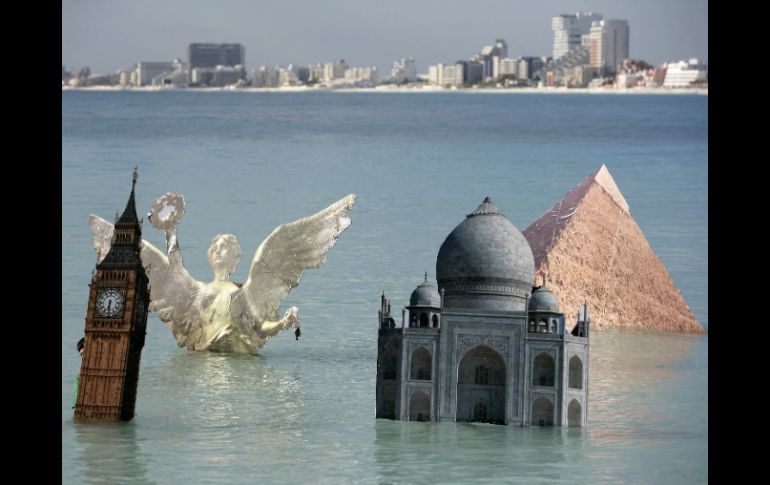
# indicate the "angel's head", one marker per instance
pixel 224 254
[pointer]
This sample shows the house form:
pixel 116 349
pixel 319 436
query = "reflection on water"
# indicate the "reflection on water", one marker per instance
pixel 219 391
pixel 632 379
pixel 464 450
pixel 220 415
pixel 109 453
pixel 241 408
pixel 311 418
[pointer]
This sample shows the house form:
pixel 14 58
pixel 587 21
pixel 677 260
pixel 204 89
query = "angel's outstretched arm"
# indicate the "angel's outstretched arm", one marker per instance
pixel 172 247
pixel 166 213
pixel 273 328
pixel 169 279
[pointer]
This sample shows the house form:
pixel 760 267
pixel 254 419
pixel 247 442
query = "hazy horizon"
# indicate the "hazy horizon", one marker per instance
pixel 112 35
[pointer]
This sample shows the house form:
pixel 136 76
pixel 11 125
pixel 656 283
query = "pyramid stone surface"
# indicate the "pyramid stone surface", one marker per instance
pixel 591 249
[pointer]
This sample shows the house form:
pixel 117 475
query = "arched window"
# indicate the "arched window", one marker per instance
pixel 531 325
pixel 435 321
pixel 482 375
pixel 421 364
pixel 552 326
pixel 542 412
pixel 574 414
pixel 480 412
pixel 424 320
pixel 543 370
pixel 412 320
pixel 576 373
pixel 542 326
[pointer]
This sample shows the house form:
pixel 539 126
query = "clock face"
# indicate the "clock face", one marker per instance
pixel 109 302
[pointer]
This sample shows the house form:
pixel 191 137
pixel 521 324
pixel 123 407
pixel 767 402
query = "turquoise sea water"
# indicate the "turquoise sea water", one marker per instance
pixel 303 411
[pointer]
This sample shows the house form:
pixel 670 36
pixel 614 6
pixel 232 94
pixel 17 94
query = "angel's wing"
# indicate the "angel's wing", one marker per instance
pixel 102 231
pixel 172 290
pixel 287 252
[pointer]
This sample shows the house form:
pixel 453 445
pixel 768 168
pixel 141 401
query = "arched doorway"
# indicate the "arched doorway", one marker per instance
pixel 576 373
pixel 542 412
pixel 543 371
pixel 419 407
pixel 421 365
pixel 574 414
pixel 481 393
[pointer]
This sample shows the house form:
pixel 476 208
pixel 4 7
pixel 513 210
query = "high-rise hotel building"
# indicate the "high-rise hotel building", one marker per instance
pixel 568 30
pixel 609 45
pixel 216 64
pixel 213 55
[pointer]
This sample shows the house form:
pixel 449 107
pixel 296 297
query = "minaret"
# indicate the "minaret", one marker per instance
pixel 384 312
pixel 116 321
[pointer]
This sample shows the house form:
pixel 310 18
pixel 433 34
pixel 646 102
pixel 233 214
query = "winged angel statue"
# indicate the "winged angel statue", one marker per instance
pixel 223 316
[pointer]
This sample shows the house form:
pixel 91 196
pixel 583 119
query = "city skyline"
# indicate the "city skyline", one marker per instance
pixel 107 36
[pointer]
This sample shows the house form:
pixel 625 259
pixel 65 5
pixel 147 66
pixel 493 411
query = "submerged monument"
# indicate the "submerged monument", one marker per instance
pixel 594 249
pixel 224 316
pixel 486 345
pixel 116 321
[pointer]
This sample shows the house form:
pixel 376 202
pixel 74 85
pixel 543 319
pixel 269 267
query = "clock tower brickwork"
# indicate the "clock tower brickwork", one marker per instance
pixel 115 326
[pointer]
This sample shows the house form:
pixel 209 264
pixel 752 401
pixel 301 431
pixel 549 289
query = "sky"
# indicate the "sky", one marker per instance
pixel 108 35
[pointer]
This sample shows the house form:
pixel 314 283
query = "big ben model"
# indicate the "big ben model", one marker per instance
pixel 116 321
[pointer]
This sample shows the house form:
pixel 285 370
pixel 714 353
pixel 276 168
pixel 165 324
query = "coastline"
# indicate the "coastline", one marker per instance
pixel 402 89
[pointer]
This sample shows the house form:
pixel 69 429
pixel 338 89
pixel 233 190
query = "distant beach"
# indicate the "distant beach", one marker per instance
pixel 406 89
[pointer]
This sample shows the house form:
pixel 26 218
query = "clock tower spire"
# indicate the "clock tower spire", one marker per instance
pixel 116 322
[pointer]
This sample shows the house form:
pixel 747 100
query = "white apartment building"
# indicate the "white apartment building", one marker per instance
pixel 147 71
pixel 334 70
pixel 446 75
pixel 288 76
pixel 683 73
pixel 568 30
pixel 361 74
pixel 609 45
pixel 404 70
pixel 508 67
pixel 490 56
pixel 265 77
pixel 523 72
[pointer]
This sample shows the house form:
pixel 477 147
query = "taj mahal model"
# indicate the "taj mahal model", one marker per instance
pixel 487 345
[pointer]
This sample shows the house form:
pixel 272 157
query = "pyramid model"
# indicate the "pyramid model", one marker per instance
pixel 591 249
